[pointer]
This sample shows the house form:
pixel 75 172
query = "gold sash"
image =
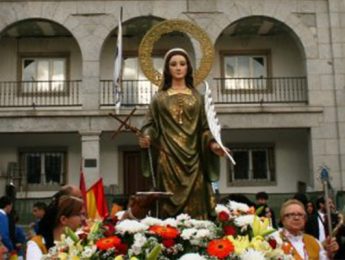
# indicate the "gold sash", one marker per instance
pixel 311 246
pixel 39 241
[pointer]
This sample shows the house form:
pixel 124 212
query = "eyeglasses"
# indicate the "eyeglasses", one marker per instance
pixel 294 215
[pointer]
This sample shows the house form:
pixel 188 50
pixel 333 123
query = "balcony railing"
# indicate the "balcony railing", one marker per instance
pixel 134 92
pixel 261 90
pixel 40 93
pixel 140 92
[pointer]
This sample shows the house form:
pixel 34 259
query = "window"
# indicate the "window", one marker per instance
pixel 43 74
pixel 46 167
pixel 245 71
pixel 254 164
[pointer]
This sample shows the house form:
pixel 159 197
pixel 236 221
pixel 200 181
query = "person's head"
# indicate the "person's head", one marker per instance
pixel 293 216
pixel 70 212
pixel 69 190
pixel 261 198
pixel 39 209
pixel 177 65
pixel 321 204
pixel 302 197
pixel 310 208
pixel 6 204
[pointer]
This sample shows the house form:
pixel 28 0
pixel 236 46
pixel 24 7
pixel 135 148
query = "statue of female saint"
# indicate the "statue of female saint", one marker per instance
pixel 188 160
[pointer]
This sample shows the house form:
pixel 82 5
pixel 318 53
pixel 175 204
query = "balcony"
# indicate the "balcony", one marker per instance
pixel 139 92
pixel 40 93
pixel 261 90
pixel 134 92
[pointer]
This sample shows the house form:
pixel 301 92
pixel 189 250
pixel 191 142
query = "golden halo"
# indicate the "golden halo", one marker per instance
pixel 155 33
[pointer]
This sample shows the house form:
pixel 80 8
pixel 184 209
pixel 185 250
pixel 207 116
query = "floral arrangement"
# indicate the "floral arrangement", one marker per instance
pixel 237 233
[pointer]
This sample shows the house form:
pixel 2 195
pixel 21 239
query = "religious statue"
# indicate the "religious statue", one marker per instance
pixel 188 159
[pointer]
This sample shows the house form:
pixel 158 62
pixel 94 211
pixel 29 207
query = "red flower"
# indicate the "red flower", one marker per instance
pixel 167 232
pixel 223 216
pixel 220 248
pixel 273 243
pixel 109 230
pixel 122 249
pixel 82 236
pixel 168 242
pixel 108 242
pixel 229 230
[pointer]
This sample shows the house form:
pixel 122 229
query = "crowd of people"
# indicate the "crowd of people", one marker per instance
pixel 66 209
pixel 301 223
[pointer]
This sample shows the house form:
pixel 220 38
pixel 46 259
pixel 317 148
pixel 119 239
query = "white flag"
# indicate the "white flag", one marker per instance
pixel 118 66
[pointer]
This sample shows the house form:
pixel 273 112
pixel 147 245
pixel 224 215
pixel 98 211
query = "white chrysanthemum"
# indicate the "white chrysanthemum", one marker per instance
pixel 170 222
pixel 139 242
pixel 219 208
pixel 192 256
pixel 243 221
pixel 202 223
pixel 150 221
pixel 251 254
pixel 130 226
pixel 237 206
pixel 183 217
pixel 69 241
pixel 88 251
pixel 203 233
pixel 188 233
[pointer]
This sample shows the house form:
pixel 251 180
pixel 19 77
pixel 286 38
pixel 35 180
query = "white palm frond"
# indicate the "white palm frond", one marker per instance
pixel 213 121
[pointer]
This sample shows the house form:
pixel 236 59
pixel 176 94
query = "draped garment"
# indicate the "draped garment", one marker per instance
pixel 184 164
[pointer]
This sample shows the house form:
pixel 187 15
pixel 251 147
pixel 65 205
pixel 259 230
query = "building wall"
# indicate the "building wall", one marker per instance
pixel 291 158
pixel 10 143
pixel 318 28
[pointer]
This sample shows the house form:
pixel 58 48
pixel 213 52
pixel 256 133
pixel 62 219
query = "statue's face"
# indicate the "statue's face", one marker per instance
pixel 178 67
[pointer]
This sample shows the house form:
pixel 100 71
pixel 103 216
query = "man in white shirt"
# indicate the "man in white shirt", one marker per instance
pixel 317 223
pixel 303 246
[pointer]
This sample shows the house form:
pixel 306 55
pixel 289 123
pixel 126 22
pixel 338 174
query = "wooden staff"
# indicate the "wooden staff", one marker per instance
pixel 139 133
pixel 325 180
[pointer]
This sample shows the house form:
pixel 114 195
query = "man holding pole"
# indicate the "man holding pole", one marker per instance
pixel 303 246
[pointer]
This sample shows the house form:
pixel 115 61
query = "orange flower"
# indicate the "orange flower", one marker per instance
pixel 220 248
pixel 108 242
pixel 167 232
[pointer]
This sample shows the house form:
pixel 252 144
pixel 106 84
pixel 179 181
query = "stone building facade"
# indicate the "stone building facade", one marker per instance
pixel 277 80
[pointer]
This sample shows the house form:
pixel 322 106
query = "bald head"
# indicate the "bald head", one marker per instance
pixel 71 190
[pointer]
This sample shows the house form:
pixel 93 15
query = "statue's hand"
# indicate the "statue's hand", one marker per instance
pixel 217 149
pixel 144 141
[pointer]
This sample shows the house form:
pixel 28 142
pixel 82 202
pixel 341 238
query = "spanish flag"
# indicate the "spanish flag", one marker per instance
pixel 95 202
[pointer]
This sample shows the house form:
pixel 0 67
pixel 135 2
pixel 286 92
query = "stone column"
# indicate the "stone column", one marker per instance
pixel 90 153
pixel 90 86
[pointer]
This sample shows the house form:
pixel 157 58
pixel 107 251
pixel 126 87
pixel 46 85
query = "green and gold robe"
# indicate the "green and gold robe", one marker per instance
pixel 178 124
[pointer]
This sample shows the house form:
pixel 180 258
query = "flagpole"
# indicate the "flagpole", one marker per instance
pixel 117 80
